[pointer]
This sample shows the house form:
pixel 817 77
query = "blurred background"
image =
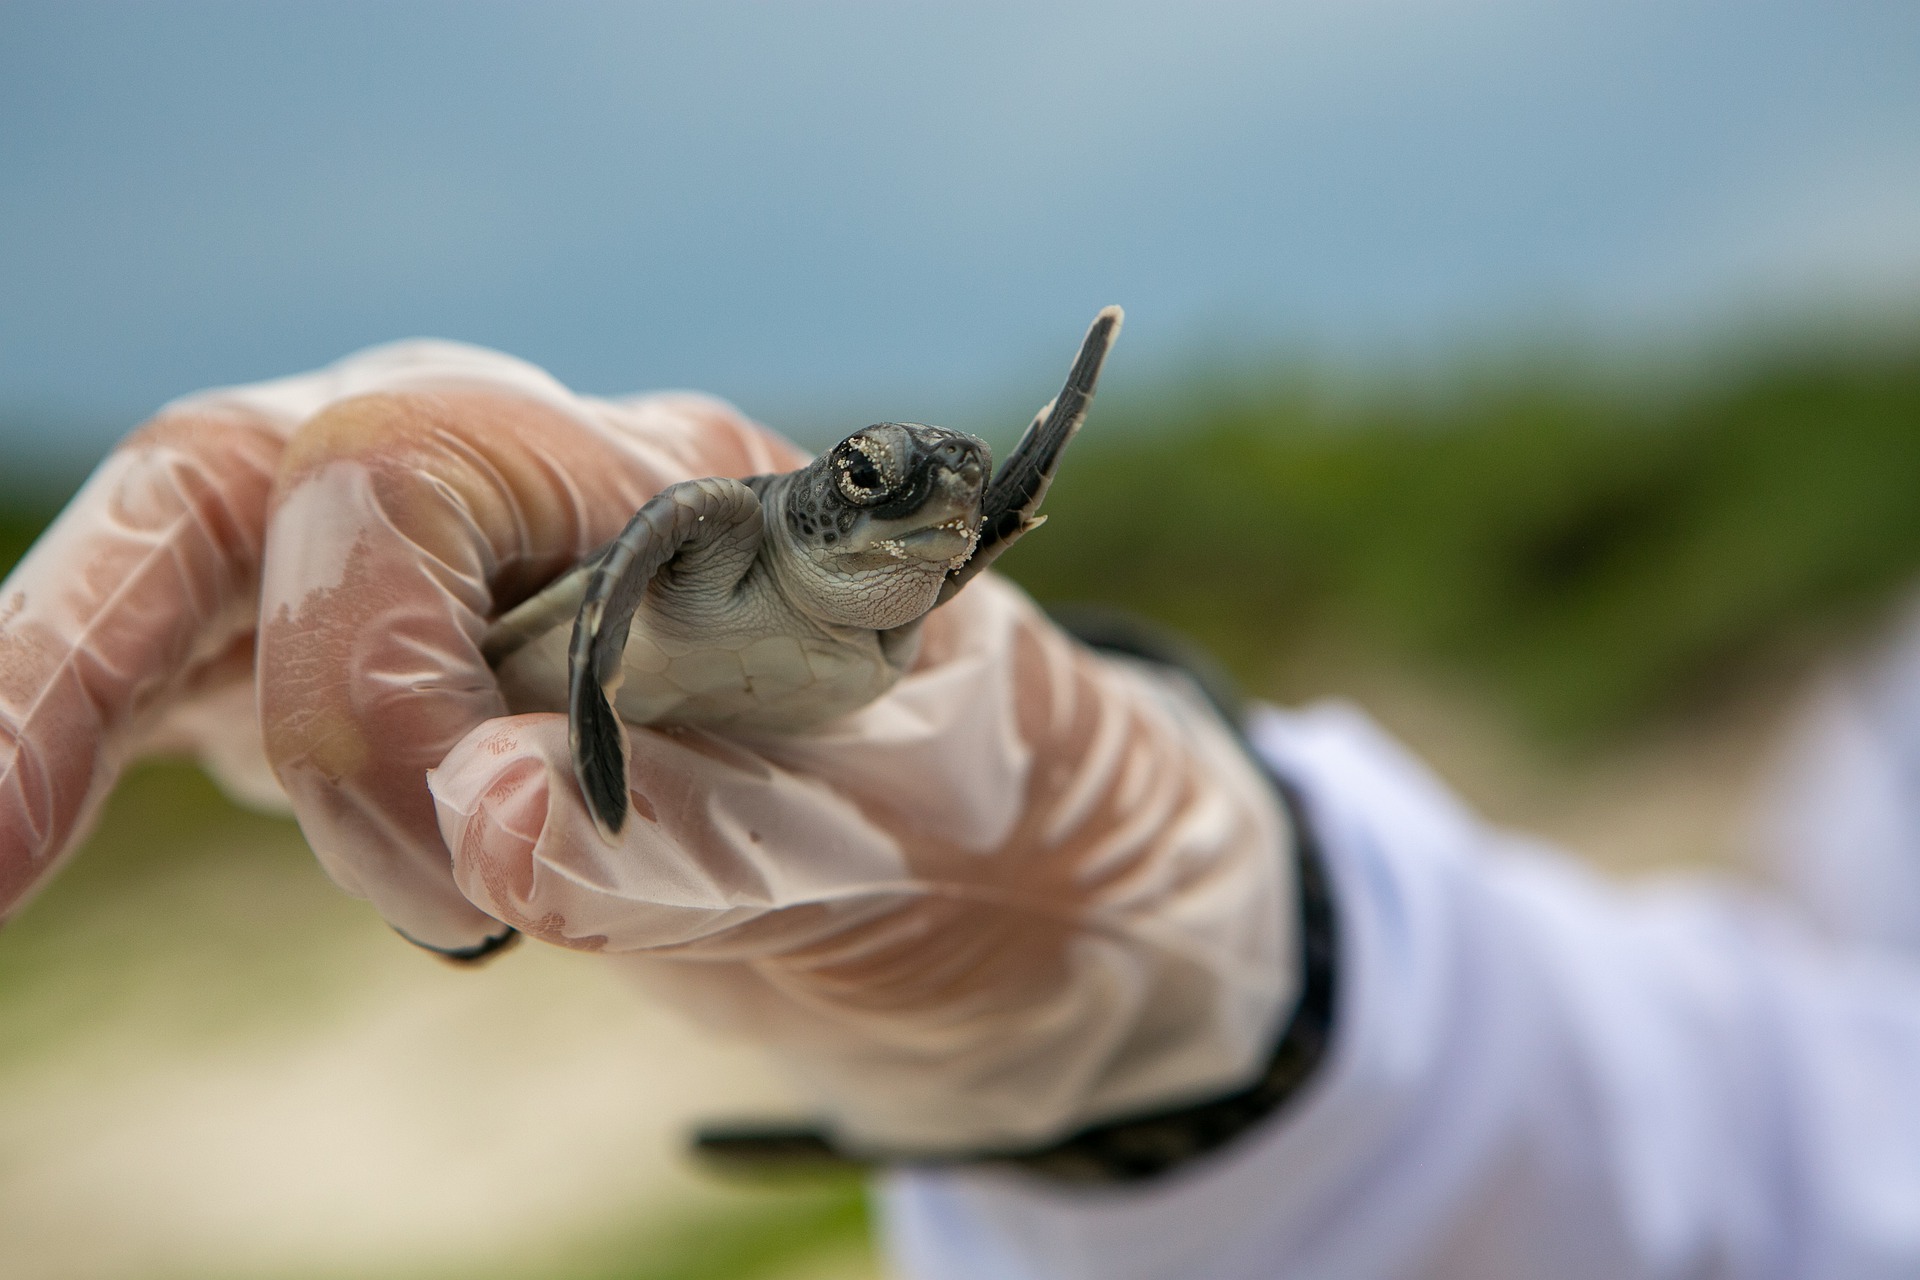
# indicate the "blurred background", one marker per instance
pixel 1544 377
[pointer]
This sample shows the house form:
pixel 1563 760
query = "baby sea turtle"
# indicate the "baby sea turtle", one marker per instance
pixel 778 602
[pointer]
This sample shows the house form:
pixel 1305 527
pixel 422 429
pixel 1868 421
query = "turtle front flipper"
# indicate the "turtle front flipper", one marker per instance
pixel 713 528
pixel 1011 503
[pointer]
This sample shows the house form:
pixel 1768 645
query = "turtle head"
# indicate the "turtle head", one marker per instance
pixel 874 525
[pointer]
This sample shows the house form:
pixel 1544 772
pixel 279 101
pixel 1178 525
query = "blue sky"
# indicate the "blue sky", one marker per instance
pixel 905 209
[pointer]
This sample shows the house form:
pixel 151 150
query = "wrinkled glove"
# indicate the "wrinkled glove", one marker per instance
pixel 1027 889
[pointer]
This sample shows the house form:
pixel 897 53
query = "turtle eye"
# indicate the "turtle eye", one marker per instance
pixel 858 480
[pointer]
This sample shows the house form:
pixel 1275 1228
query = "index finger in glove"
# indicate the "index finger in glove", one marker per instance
pixel 401 521
pixel 147 575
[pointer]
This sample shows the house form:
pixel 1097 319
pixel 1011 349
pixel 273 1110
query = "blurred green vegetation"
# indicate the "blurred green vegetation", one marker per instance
pixel 1590 542
pixel 1590 550
pixel 799 1226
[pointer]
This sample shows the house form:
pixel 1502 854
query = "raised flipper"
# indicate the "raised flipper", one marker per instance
pixel 1012 500
pixel 710 520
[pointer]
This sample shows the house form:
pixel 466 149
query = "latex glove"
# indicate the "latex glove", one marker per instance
pixel 1028 889
pixel 325 549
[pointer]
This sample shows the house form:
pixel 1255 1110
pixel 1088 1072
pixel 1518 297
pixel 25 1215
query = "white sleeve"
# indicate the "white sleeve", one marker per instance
pixel 1534 1073
pixel 1842 828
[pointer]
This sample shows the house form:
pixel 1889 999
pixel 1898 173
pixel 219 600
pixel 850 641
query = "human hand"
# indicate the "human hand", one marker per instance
pixel 290 580
pixel 1028 888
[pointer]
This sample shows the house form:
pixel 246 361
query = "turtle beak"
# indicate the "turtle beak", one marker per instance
pixel 965 461
pixel 948 542
pixel 960 470
pixel 949 522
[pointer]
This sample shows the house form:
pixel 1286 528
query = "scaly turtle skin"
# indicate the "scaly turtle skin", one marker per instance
pixel 778 602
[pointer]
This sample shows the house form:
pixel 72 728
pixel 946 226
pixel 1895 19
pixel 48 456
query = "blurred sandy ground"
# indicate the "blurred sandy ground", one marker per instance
pixel 223 1067
pixel 212 1064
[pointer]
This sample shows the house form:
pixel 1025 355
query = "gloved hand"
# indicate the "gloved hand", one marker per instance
pixel 329 545
pixel 1028 888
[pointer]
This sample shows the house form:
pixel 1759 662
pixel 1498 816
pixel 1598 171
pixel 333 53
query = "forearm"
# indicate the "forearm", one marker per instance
pixel 1532 1074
